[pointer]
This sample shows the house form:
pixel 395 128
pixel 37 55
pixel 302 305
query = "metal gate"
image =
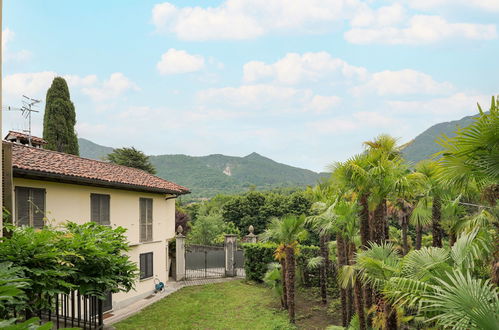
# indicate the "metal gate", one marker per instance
pixel 204 261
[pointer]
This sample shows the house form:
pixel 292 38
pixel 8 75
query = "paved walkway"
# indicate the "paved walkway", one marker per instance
pixel 170 287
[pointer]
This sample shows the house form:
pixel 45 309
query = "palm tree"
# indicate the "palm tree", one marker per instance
pixel 273 278
pixel 321 223
pixel 429 169
pixel 438 283
pixel 473 154
pixel 349 278
pixel 288 231
pixel 420 217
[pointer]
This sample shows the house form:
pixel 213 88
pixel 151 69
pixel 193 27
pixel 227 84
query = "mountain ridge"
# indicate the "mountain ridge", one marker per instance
pixel 209 175
pixel 212 174
pixel 424 145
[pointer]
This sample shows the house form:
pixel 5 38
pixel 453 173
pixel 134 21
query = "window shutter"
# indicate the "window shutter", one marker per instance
pixel 105 205
pixel 38 207
pixel 149 219
pixel 149 264
pixel 94 208
pixel 142 220
pixel 142 266
pixel 22 206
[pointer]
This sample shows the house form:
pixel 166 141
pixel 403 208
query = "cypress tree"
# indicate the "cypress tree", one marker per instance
pixel 60 119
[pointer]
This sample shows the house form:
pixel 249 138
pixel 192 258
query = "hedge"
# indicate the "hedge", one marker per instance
pixel 257 256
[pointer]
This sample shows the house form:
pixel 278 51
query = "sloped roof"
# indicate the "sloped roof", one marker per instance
pixel 24 136
pixel 43 163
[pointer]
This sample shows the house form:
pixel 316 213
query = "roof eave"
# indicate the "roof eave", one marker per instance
pixel 61 178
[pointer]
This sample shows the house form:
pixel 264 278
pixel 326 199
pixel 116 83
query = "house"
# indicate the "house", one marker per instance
pixel 42 184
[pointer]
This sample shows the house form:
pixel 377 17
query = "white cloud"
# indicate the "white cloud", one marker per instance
pixel 375 119
pixel 451 107
pixel 333 126
pixel 402 82
pixel 269 98
pixel 36 84
pixel 77 81
pixel 384 16
pixel 357 121
pixel 115 86
pixel 7 55
pixel 320 103
pixel 490 5
pixel 245 19
pixel 421 29
pixel 32 84
pixel 179 61
pixel 7 36
pixel 308 67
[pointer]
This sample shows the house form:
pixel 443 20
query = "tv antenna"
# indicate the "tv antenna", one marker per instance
pixel 26 110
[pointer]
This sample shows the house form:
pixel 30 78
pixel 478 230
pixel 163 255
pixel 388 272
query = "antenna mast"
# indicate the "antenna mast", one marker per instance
pixel 27 109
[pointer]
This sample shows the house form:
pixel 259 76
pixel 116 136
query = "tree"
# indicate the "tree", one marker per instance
pixel 433 189
pixel 131 157
pixel 182 219
pixel 440 284
pixel 59 119
pixel 206 229
pixel 288 231
pixel 473 154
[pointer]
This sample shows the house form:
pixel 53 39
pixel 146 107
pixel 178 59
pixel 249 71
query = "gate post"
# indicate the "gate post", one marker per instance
pixel 230 255
pixel 251 238
pixel 179 255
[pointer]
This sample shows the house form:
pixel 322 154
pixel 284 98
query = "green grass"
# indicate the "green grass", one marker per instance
pixel 229 305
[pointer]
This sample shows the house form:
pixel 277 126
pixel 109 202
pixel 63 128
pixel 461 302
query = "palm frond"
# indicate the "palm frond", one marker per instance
pixel 464 302
pixel 467 249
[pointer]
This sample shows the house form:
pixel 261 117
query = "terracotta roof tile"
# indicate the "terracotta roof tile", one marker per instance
pixel 45 162
pixel 26 136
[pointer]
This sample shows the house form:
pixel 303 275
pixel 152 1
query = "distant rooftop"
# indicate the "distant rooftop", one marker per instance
pixel 22 138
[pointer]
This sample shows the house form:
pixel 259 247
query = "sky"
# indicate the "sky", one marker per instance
pixel 303 82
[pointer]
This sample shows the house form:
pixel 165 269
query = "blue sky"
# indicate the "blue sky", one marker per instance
pixel 302 82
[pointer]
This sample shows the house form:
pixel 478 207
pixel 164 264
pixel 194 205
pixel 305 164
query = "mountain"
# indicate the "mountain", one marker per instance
pixel 88 149
pixel 207 176
pixel 424 145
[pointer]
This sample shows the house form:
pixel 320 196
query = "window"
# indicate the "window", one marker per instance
pixel 30 206
pixel 99 209
pixel 145 219
pixel 146 266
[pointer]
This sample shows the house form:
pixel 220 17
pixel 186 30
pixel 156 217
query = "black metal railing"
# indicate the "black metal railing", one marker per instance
pixel 68 310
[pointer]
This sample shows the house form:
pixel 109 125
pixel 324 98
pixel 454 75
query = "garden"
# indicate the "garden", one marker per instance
pixel 382 244
pixel 399 245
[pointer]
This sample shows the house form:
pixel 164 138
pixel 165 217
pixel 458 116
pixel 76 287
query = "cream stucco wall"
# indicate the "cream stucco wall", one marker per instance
pixel 72 202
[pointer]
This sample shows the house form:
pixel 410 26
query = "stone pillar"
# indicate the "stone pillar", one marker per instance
pixel 179 255
pixel 230 255
pixel 251 238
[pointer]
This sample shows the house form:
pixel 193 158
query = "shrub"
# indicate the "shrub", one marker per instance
pixel 309 277
pixel 257 256
pixel 12 282
pixel 86 257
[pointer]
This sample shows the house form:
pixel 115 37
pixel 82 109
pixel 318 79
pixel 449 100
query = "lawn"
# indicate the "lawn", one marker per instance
pixel 229 305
